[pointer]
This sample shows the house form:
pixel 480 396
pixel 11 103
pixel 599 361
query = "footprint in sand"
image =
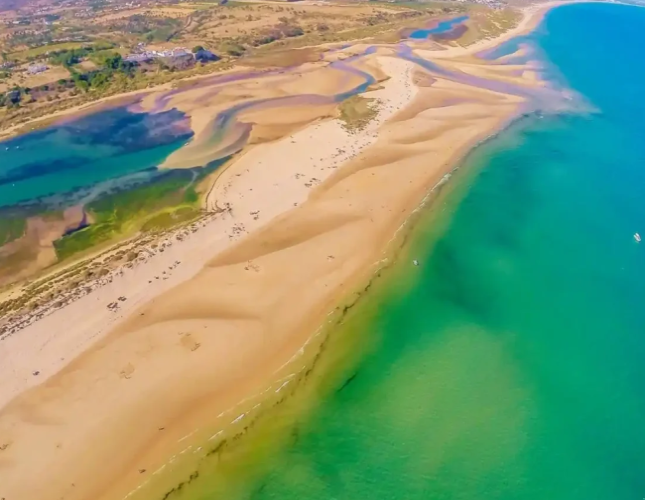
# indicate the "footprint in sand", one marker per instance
pixel 189 342
pixel 127 371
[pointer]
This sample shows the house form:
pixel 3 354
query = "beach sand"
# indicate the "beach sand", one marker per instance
pixel 309 217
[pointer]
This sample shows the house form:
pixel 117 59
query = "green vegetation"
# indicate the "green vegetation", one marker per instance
pixel 110 64
pixel 382 31
pixel 357 111
pixel 105 58
pixel 127 211
pixel 486 23
pixel 113 66
pixel 436 7
pixel 233 48
pixel 26 55
pixel 151 29
pixel 68 57
pixel 165 202
pixel 15 114
pixel 11 229
pixel 232 29
pixel 110 68
pixel 169 219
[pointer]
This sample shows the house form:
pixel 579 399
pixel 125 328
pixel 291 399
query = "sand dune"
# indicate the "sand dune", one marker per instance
pixel 309 218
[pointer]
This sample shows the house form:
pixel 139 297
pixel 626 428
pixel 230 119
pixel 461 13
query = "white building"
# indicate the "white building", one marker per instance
pixel 34 69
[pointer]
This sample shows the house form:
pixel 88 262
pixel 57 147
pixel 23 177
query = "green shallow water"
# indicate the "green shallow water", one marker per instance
pixel 511 363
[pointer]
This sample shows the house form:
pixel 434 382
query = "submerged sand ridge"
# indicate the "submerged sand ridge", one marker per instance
pixel 221 128
pixel 306 218
pixel 265 173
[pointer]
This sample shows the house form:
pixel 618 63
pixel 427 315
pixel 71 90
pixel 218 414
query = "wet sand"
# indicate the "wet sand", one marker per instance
pixel 307 219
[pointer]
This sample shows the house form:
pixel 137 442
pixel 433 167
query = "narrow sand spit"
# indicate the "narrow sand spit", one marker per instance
pixel 532 16
pixel 277 99
pixel 272 178
pixel 121 392
pixel 282 184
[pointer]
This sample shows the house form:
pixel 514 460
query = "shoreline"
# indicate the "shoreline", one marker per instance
pixel 242 416
pixel 327 220
pixel 255 408
pixel 302 368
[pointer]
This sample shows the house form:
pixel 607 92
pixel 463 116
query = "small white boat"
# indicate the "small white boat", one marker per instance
pixel 637 237
pixel 415 262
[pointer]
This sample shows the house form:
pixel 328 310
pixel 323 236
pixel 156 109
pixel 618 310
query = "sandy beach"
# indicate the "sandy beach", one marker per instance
pixel 94 398
pixel 40 348
pixel 533 15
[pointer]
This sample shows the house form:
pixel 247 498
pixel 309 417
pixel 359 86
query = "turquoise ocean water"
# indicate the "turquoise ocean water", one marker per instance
pixel 511 363
pixel 98 151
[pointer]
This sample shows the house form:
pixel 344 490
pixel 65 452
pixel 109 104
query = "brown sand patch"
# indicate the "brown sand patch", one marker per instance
pixel 270 126
pixel 284 58
pixel 188 341
pixel 35 251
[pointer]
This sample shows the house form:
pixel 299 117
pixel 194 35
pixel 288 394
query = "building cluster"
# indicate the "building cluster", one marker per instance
pixel 493 4
pixel 33 20
pixel 36 68
pixel 148 55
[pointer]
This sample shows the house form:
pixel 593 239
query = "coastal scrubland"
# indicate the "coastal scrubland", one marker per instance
pixel 238 33
pixel 171 199
pixel 162 202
